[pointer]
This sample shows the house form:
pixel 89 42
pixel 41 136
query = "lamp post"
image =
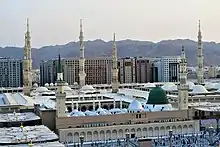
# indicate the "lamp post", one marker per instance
pixel 170 135
pixel 81 140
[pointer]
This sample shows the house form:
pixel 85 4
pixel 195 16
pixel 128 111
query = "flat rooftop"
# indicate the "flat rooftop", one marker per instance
pixel 23 135
pixel 47 144
pixel 15 99
pixel 18 117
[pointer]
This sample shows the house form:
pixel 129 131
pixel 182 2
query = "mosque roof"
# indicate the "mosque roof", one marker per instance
pixel 41 89
pixel 135 106
pixel 150 85
pixel 210 85
pixel 157 96
pixel 87 88
pixel 191 84
pixel 199 89
pixel 169 86
pixel 153 108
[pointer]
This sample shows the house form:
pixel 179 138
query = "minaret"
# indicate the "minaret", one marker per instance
pixel 200 59
pixel 60 94
pixel 27 63
pixel 115 84
pixel 82 73
pixel 183 86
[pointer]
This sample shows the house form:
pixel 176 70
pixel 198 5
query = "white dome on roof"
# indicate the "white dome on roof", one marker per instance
pixel 55 84
pixel 135 106
pixel 75 83
pixel 41 89
pixel 210 85
pixel 51 84
pixel 67 88
pixel 35 85
pixel 149 85
pixel 191 84
pixel 66 84
pixel 46 85
pixel 169 86
pixel 87 88
pixel 199 89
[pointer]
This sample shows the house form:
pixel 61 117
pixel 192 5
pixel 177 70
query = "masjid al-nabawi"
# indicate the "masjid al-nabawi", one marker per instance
pixel 104 112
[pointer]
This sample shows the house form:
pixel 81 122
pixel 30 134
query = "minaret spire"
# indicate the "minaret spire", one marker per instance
pixel 115 84
pixel 60 94
pixel 183 86
pixel 200 58
pixel 27 79
pixel 82 73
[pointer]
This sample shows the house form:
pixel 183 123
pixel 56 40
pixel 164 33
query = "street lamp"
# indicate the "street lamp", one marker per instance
pixel 81 140
pixel 170 135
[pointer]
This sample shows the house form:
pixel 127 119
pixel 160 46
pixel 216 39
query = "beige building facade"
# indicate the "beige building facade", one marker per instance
pixel 119 131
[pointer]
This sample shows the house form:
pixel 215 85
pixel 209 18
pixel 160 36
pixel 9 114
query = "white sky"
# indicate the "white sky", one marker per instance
pixel 57 21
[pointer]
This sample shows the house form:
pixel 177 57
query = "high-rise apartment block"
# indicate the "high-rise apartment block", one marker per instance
pixel 135 70
pixel 11 72
pixel 167 68
pixel 98 71
pixel 127 70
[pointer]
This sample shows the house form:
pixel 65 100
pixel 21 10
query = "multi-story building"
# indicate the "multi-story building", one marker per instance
pixel 135 70
pixel 168 68
pixel 127 70
pixel 11 72
pixel 98 71
pixel 144 70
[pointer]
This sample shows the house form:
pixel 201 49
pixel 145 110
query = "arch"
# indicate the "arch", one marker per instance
pixel 145 132
pixel 111 106
pixel 167 130
pixel 105 107
pixel 114 134
pixel 108 134
pixel 150 132
pixel 76 137
pixel 133 131
pixel 95 136
pixel 89 136
pixel 83 134
pixel 90 108
pixel 83 108
pixel 179 129
pixel 69 109
pixel 162 131
pixel 174 129
pixel 139 132
pixel 191 129
pixel 156 131
pixel 120 134
pixel 185 129
pixel 126 131
pixel 69 137
pixel 102 135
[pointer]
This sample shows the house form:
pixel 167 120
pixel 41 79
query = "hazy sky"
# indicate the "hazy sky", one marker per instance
pixel 57 21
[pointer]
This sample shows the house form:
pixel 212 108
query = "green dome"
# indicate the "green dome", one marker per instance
pixel 157 96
